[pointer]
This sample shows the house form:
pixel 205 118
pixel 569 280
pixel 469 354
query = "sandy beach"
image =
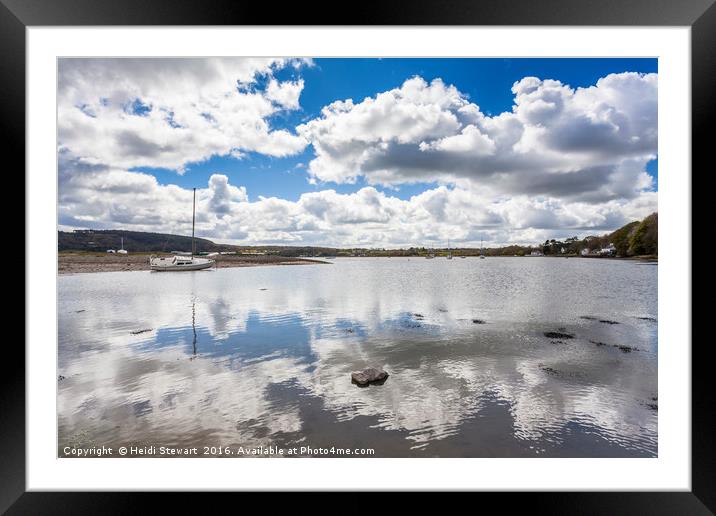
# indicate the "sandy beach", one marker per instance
pixel 71 263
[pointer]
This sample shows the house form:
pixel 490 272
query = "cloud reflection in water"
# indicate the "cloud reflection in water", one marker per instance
pixel 229 364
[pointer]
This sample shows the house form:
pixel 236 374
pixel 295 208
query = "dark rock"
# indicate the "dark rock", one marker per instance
pixel 79 311
pixel 562 374
pixel 349 330
pixel 592 318
pixel 653 405
pixel 625 349
pixel 549 370
pixel 60 378
pixel 263 289
pixel 557 342
pixel 137 332
pixel 443 310
pixel 368 376
pixel 558 335
pixel 478 321
pixel 598 343
pixel 651 319
pixel 418 316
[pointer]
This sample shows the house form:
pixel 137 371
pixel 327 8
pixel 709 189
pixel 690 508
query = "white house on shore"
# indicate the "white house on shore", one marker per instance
pixel 585 251
pixel 609 250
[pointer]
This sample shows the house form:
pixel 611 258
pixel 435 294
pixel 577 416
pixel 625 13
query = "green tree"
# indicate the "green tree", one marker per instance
pixel 644 240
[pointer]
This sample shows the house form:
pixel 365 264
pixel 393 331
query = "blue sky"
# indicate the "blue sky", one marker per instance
pixel 508 150
pixel 486 81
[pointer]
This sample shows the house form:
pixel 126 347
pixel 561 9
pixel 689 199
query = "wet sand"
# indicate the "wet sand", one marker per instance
pixel 71 263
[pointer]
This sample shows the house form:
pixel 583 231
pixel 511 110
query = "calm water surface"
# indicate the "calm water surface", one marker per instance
pixel 263 356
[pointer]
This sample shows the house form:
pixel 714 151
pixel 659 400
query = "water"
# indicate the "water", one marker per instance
pixel 262 356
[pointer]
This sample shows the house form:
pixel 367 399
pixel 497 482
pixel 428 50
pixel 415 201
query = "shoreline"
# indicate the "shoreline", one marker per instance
pixel 81 263
pixel 85 263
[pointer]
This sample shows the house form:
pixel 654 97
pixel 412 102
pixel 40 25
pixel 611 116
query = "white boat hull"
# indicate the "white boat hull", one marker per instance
pixel 177 263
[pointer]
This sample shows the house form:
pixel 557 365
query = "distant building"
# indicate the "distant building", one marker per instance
pixel 585 251
pixel 561 250
pixel 609 250
pixel 536 253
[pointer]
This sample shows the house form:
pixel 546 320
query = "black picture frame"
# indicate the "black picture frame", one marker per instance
pixel 700 15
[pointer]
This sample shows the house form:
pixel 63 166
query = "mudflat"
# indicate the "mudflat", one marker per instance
pixel 70 263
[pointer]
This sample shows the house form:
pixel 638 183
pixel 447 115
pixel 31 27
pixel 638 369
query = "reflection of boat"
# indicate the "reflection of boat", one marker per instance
pixel 449 254
pixel 193 326
pixel 482 251
pixel 182 263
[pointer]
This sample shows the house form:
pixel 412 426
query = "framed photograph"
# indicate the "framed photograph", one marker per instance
pixel 417 253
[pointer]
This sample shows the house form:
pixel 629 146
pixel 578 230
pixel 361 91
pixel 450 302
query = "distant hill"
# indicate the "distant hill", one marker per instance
pixel 134 241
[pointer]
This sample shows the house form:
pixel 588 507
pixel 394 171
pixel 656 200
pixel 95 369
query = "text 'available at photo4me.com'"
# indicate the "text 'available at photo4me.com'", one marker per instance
pixel 215 451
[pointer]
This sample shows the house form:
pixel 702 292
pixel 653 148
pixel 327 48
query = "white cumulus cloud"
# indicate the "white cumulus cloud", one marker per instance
pixel 589 144
pixel 466 214
pixel 169 112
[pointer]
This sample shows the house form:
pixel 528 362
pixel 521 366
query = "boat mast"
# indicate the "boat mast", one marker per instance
pixel 193 217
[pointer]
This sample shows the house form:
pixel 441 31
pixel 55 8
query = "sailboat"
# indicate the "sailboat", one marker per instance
pixel 182 263
pixel 122 250
pixel 482 251
pixel 449 254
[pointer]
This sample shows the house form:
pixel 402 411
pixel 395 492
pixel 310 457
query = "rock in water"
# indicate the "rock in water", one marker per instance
pixel 558 335
pixel 370 375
